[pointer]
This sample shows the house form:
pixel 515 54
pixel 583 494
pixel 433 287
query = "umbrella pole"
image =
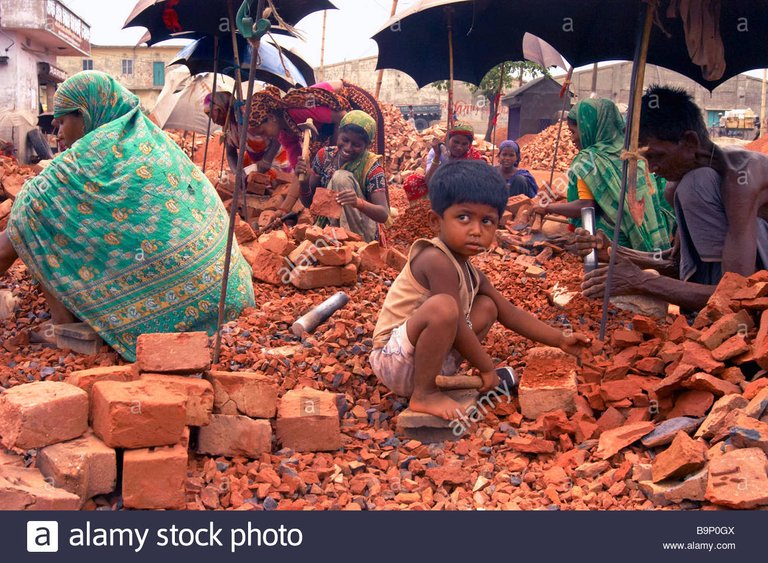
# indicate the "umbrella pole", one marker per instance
pixel 213 93
pixel 380 77
pixel 239 81
pixel 629 168
pixel 450 68
pixel 566 86
pixel 193 147
pixel 496 104
pixel 238 183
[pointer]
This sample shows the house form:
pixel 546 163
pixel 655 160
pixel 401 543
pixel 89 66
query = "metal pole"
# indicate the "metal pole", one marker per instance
pixel 645 22
pixel 213 93
pixel 496 104
pixel 450 67
pixel 566 87
pixel 762 103
pixel 238 182
pixel 381 72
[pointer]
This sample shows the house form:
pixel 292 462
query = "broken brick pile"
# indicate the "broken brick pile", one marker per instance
pixel 311 257
pixel 507 461
pixel 538 152
pixel 145 412
pixel 12 178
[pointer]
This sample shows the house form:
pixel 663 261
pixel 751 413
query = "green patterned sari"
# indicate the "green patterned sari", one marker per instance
pixel 123 228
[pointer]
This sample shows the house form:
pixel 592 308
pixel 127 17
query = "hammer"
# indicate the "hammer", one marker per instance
pixel 309 129
pixel 509 380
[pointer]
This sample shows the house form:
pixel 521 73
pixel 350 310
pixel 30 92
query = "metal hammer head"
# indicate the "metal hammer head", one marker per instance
pixel 309 126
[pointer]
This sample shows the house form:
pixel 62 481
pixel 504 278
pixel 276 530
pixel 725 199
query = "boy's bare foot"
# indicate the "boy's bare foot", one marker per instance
pixel 437 404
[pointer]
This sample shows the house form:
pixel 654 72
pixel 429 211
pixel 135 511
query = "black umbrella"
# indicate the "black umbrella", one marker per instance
pixel 277 66
pixel 416 41
pixel 167 19
pixel 487 32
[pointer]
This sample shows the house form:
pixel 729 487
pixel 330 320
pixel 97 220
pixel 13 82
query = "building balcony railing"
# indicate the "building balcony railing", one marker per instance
pixel 65 23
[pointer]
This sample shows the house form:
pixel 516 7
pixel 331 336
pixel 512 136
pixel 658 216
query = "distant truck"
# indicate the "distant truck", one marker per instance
pixel 423 114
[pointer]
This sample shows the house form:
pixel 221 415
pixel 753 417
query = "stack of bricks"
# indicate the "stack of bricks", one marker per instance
pixel 146 410
pixel 310 257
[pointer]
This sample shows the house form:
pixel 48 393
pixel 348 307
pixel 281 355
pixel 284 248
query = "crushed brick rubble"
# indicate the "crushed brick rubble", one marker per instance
pixel 661 415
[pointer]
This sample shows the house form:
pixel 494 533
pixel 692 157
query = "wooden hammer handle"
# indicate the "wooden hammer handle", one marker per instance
pixel 305 147
pixel 458 382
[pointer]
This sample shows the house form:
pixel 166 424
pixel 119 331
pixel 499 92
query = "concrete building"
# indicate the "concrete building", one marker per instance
pixel 32 34
pixel 138 68
pixel 740 92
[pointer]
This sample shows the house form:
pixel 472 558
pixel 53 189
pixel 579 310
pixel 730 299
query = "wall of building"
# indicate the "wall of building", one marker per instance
pixel 110 60
pixel 613 81
pixel 400 89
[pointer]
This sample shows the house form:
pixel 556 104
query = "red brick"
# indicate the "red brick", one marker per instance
pixel 650 366
pixel 85 466
pixel 716 417
pixel 323 276
pixel 154 478
pixel 39 414
pixel 758 404
pixel 372 257
pixel 243 231
pixel 335 255
pixel 237 435
pixel 682 458
pixel 324 204
pixel 726 327
pixel 675 379
pixel 743 431
pixel 670 352
pixel 247 393
pixel 737 479
pixel 24 488
pixel 694 354
pixel 395 259
pixel 613 441
pixel 308 421
pixel 692 403
pixel 760 345
pixel 530 445
pixel 266 266
pixel 620 389
pixel 624 338
pixel 610 419
pixel 137 414
pixel 734 346
pixel 753 387
pixel 705 382
pixel 733 375
pixel 199 393
pixel 646 325
pixel 755 291
pixel 179 353
pixel 678 329
pixel 548 382
pixel 276 242
pixel 84 379
pixel 756 304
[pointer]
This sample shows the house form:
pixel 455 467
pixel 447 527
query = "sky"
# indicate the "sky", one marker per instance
pixel 348 29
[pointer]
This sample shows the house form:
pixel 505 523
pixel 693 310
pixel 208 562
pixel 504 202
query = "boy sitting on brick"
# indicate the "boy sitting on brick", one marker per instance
pixel 441 307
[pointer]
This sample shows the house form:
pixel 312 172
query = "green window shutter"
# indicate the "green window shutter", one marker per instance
pixel 158 73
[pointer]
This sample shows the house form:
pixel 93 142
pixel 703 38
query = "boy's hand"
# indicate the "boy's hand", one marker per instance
pixel 490 381
pixel 574 344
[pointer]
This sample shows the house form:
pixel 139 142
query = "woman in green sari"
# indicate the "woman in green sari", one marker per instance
pixel 122 230
pixel 355 173
pixel 595 180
